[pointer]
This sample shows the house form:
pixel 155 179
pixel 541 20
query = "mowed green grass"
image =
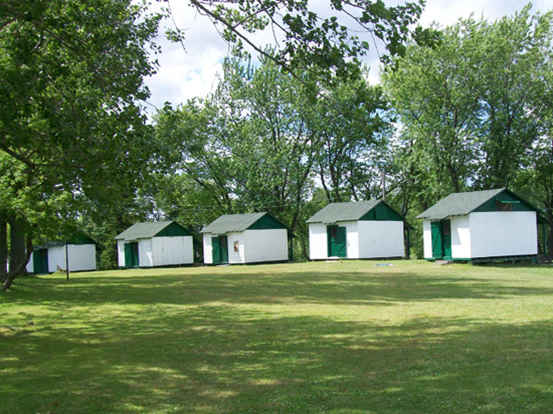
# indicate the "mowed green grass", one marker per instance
pixel 341 337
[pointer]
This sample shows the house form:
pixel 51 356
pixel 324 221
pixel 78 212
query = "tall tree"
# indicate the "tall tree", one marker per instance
pixel 3 247
pixel 248 146
pixel 434 96
pixel 472 104
pixel 72 88
pixel 536 178
pixel 474 110
pixel 514 92
pixel 353 127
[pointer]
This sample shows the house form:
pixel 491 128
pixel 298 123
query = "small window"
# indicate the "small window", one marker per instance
pixel 503 206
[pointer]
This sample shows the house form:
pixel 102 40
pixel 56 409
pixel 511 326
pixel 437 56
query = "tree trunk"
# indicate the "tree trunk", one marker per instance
pixel 304 248
pixel 325 188
pixel 21 269
pixel 549 240
pixel 19 251
pixel 3 248
pixel 17 247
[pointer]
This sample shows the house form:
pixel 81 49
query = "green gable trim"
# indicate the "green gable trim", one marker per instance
pixel 507 198
pixel 381 212
pixel 267 222
pixel 80 238
pixel 173 229
pixel 229 223
pixel 460 204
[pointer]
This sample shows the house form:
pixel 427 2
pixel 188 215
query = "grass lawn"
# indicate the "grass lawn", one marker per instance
pixel 337 337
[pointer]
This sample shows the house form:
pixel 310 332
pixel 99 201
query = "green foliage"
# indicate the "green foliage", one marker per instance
pixel 475 110
pixel 73 133
pixel 472 104
pixel 353 125
pixel 259 142
pixel 245 148
pixel 310 41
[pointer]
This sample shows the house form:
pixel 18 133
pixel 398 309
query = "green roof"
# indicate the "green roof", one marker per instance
pixel 78 237
pixel 148 230
pixel 349 211
pixel 239 222
pixel 460 204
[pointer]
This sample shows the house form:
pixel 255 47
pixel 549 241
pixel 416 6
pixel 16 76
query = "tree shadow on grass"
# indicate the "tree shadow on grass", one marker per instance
pixel 332 288
pixel 219 359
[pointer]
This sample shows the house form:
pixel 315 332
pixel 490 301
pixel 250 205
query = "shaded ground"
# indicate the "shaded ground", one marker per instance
pixel 292 338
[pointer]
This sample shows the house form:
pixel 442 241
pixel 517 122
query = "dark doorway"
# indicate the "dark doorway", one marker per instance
pixel 40 261
pixel 336 241
pixel 441 239
pixel 131 254
pixel 219 249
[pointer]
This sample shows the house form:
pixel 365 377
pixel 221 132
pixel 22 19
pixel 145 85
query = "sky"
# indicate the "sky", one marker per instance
pixel 191 69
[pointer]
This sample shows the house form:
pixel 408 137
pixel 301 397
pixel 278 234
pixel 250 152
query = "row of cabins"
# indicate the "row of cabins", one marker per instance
pixel 472 226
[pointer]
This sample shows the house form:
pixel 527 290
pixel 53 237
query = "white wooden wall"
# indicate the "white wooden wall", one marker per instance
pixel 208 250
pixel 145 253
pixel 460 238
pixel 29 268
pixel 365 239
pixel 236 240
pixel 489 234
pixel 121 253
pixel 265 245
pixel 352 238
pixel 380 239
pixel 172 250
pixel 503 233
pixel 56 257
pixel 427 239
pixel 81 257
pixel 318 248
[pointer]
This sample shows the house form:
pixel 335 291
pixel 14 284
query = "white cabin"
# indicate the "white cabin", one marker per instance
pixel 81 256
pixel 480 225
pixel 356 230
pixel 245 238
pixel 163 243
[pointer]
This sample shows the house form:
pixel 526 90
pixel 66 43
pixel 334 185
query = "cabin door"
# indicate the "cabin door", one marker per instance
pixel 131 254
pixel 336 241
pixel 219 247
pixel 441 239
pixel 40 261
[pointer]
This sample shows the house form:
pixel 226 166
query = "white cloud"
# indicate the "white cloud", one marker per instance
pixel 187 70
pixel 446 12
pixel 184 74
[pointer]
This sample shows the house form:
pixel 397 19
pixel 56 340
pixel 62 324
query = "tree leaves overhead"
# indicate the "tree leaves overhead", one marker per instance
pixel 72 86
pixel 72 131
pixel 329 45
